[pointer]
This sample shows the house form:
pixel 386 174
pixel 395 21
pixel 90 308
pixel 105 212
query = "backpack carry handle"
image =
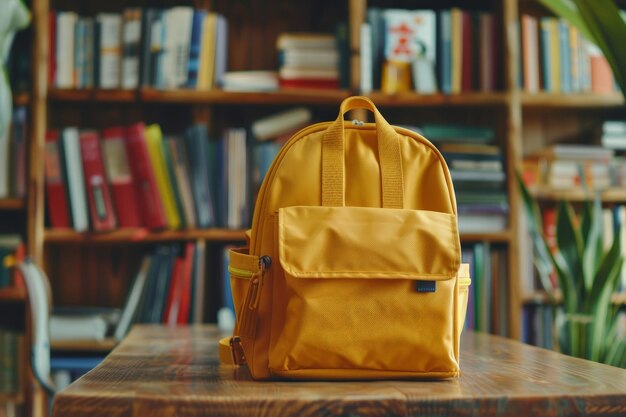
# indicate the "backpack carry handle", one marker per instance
pixel 333 176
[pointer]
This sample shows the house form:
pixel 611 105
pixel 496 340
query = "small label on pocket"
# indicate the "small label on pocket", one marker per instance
pixel 426 286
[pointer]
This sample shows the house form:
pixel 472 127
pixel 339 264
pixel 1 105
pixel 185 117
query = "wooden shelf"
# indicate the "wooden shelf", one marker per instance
pixel 610 195
pixel 12 294
pixel 12 204
pixel 569 101
pixel 290 96
pixel 141 235
pixel 21 99
pixel 540 297
pixel 503 236
pixel 105 345
pixel 114 96
pixel 436 100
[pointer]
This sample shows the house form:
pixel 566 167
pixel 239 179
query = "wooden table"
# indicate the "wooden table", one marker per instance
pixel 159 372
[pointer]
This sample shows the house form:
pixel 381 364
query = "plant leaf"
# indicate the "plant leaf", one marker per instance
pixel 602 278
pixel 569 242
pixel 608 30
pixel 568 10
pixel 585 219
pixel 593 244
pixel 601 311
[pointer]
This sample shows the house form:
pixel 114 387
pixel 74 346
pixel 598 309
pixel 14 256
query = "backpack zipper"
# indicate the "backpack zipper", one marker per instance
pixel 253 295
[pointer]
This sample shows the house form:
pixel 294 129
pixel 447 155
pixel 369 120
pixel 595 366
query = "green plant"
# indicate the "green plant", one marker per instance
pixel 602 23
pixel 586 321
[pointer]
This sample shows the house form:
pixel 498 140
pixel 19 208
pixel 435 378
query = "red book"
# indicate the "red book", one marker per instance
pixel 120 178
pixel 146 190
pixel 52 54
pixel 185 278
pixel 96 187
pixel 312 83
pixel 172 308
pixel 466 52
pixel 56 191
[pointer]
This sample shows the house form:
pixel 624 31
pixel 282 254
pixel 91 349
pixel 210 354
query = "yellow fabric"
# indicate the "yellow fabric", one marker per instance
pixel 353 228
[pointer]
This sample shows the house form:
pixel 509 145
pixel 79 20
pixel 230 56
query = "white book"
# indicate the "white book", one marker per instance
pixel 302 58
pixel 221 50
pixel 424 79
pixel 367 72
pixel 130 307
pixel 65 49
pixel 78 328
pixel 131 40
pixel 410 34
pixel 75 179
pixel 110 49
pixel 280 123
pixel 178 22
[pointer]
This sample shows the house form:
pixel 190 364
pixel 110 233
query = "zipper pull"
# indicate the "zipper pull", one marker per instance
pixel 257 282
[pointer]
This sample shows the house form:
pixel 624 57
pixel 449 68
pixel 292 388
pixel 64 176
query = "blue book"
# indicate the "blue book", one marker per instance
pixel 197 140
pixel 565 56
pixel 546 57
pixel 445 52
pixel 194 48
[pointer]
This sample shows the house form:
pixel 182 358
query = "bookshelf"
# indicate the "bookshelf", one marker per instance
pixel 509 109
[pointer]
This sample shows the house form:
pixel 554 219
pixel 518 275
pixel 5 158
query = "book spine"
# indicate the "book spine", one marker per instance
pixel 98 194
pixel 131 39
pixel 143 173
pixel 194 48
pixel 110 50
pixel 75 179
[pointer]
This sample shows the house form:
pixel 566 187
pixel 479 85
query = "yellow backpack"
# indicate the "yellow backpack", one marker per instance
pixel 354 264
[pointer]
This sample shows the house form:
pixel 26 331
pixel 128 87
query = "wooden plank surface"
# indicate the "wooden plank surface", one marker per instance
pixel 160 371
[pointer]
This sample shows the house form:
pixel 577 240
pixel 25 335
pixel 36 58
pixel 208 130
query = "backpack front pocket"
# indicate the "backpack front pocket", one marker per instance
pixel 365 292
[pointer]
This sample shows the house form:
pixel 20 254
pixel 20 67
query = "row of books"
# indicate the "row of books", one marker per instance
pixel 13 149
pixel 476 166
pixel 168 288
pixel 11 245
pixel 450 51
pixel 575 167
pixel 11 353
pixel 488 302
pixel 137 177
pixel 556 58
pixel 149 47
pixel 537 325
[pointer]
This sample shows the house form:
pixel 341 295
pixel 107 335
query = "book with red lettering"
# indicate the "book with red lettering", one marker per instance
pixel 120 178
pixel 147 194
pixel 56 190
pixel 96 186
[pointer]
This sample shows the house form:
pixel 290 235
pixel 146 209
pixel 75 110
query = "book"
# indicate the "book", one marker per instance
pixel 206 70
pixel 56 191
pixel 530 53
pixel 198 282
pixel 120 178
pixel 64 48
pixel 97 188
pixel 131 41
pixel 250 81
pixel 181 176
pixel 150 204
pixel 154 141
pixel 444 51
pixel 196 138
pixel 280 123
pixel 145 63
pixel 178 21
pixel 75 178
pixel 367 82
pixel 195 45
pixel 131 305
pixel 303 40
pixel 109 49
pixel 221 50
pixel 90 327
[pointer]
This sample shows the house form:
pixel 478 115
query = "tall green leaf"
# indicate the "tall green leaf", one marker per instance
pixel 593 243
pixel 601 313
pixel 569 243
pixel 608 30
pixel 602 279
pixel 568 10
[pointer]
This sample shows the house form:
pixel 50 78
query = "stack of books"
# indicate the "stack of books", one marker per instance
pixel 308 60
pixel 477 168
